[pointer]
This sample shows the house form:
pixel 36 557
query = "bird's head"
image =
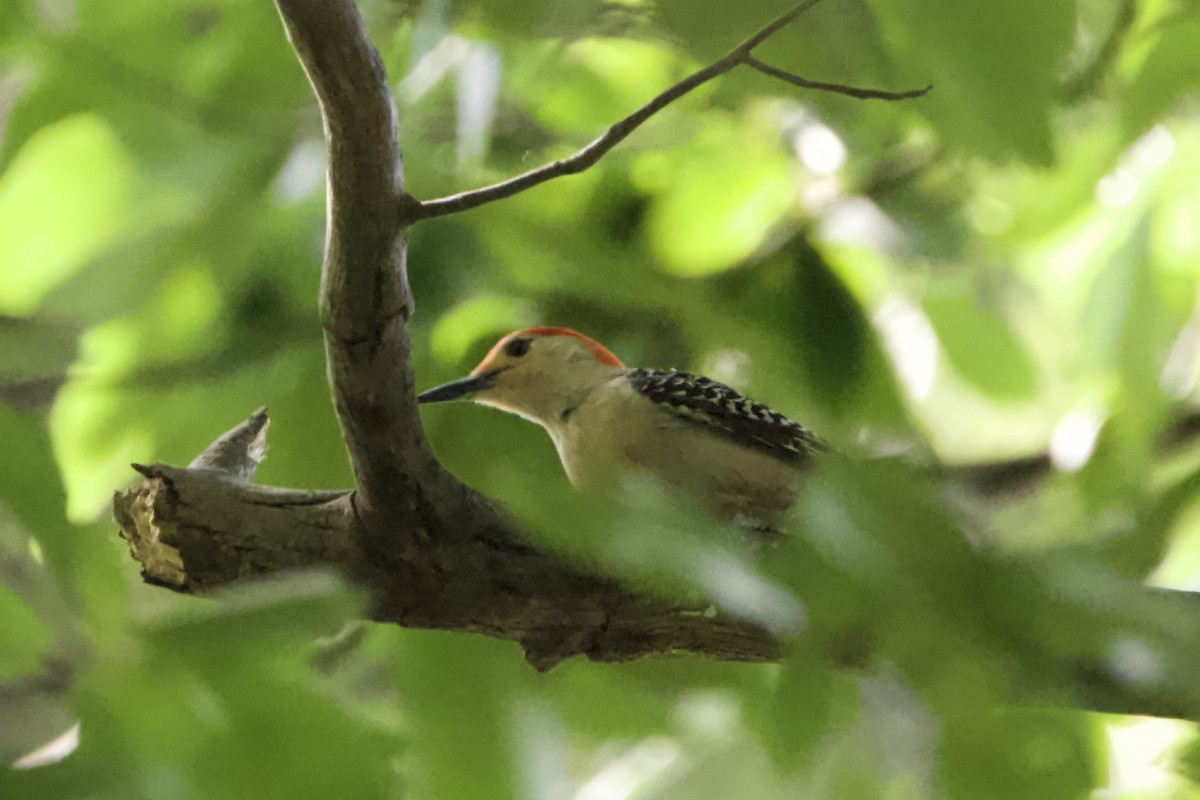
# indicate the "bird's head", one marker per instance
pixel 539 373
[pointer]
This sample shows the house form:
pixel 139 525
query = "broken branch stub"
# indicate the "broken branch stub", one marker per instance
pixel 198 529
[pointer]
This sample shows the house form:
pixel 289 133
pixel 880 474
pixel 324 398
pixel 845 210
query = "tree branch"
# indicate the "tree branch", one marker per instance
pixel 196 530
pixel 365 298
pixel 403 496
pixel 435 553
pixel 588 156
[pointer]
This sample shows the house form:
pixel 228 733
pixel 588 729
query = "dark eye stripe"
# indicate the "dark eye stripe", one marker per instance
pixel 517 348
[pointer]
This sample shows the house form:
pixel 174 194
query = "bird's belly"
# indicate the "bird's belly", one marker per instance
pixel 728 479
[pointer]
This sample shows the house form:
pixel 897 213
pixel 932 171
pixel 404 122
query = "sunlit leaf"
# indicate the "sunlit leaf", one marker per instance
pixel 721 206
pixel 597 81
pixel 64 197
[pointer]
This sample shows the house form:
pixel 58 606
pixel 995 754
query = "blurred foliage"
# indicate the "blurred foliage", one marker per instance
pixel 1004 267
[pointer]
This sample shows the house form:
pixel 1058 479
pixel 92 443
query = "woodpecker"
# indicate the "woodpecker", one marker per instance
pixel 607 420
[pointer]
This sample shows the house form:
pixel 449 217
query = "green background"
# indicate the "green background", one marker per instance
pixel 1006 266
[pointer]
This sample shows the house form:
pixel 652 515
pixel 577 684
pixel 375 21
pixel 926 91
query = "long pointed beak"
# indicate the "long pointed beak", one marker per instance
pixel 461 388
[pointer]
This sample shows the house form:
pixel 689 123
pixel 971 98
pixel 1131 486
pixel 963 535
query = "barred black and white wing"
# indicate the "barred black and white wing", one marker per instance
pixel 726 412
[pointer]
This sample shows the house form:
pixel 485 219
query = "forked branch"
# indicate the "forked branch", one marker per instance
pixel 435 554
pixel 415 210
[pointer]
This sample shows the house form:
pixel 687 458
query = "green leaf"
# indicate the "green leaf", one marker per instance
pixel 982 347
pixel 808 699
pixel 729 189
pixel 208 693
pixel 1128 333
pixel 1167 73
pixel 832 332
pixel 328 752
pixel 64 198
pixel 460 701
pixel 1016 753
pixel 24 639
pixel 603 704
pixel 32 489
pixel 463 326
pixel 595 82
pixel 252 620
pixel 994 68
pixel 1139 549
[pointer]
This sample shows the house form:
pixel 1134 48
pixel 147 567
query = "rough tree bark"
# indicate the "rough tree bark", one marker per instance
pixel 433 552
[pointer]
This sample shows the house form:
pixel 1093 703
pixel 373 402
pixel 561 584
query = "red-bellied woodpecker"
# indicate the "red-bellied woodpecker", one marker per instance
pixel 606 420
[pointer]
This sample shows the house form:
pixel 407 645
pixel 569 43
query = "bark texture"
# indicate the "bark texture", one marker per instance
pixel 196 530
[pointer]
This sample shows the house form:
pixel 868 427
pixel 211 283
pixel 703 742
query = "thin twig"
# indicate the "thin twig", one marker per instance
pixel 576 163
pixel 414 210
pixel 837 88
pixel 617 133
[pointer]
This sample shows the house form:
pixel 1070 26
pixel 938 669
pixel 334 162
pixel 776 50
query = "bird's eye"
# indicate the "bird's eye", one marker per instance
pixel 516 348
